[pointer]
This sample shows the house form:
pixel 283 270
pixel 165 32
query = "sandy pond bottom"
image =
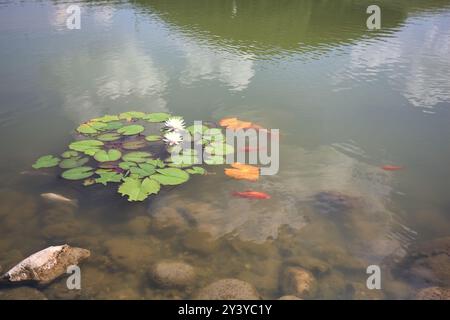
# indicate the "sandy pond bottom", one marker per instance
pixel 327 217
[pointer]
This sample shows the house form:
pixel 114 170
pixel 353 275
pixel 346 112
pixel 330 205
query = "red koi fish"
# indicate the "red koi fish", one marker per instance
pixel 251 195
pixel 391 168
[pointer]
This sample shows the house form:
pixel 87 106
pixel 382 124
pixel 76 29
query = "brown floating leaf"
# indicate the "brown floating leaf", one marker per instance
pixel 243 172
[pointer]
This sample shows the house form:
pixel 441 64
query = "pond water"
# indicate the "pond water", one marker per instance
pixel 347 101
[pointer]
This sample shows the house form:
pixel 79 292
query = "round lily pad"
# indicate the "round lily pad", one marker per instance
pixel 91 127
pixel 143 170
pixel 73 162
pixel 126 165
pixel 196 170
pixel 129 115
pixel 89 147
pixel 213 160
pixel 137 156
pixel 107 155
pixel 114 125
pixel 219 149
pixel 109 137
pixel 170 176
pixel 156 117
pixel 130 130
pixel 196 129
pixel 106 118
pixel 138 190
pixel 77 173
pixel 47 161
pixel 153 137
pixel 134 144
pixel 69 154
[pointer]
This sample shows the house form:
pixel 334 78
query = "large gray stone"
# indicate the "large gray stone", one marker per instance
pixel 169 274
pixel 228 289
pixel 434 293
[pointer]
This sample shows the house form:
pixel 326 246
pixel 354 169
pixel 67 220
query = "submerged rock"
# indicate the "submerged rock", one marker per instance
pixel 46 265
pixel 427 262
pixel 333 202
pixel 131 253
pixel 200 242
pixel 228 289
pixel 170 274
pixel 139 225
pixel 434 293
pixel 299 282
pixel 289 298
pixel 22 293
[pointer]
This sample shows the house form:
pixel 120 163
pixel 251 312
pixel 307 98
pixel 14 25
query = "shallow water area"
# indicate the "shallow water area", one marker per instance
pixel 347 101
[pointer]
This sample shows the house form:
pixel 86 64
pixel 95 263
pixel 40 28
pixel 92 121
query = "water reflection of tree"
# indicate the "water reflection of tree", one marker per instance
pixel 270 26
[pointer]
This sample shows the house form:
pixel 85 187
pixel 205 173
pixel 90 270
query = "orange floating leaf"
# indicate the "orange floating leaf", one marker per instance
pixel 236 124
pixel 243 172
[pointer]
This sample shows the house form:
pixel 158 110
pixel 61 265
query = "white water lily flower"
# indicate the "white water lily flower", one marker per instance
pixel 175 124
pixel 173 138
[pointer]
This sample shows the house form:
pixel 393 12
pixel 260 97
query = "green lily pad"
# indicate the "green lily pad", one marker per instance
pixel 85 128
pixel 89 147
pixel 143 170
pixel 91 127
pixel 170 176
pixel 219 149
pixel 214 160
pixel 183 160
pixel 73 162
pixel 47 161
pixel 213 135
pixel 196 170
pixel 134 145
pixel 180 165
pixel 106 118
pixel 77 173
pixel 130 130
pixel 137 156
pixel 109 176
pixel 99 126
pixel 109 137
pixel 69 154
pixel 107 165
pixel 196 129
pixel 138 190
pixel 107 155
pixel 131 115
pixel 114 125
pixel 156 163
pixel 153 137
pixel 156 117
pixel 126 165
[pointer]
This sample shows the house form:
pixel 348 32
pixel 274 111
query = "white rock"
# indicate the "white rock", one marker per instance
pixel 46 265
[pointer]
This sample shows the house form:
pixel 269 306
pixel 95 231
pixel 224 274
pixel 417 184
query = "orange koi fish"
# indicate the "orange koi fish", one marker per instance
pixel 251 195
pixel 391 168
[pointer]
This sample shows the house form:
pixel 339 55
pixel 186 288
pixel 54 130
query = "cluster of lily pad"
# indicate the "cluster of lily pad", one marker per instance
pixel 114 149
